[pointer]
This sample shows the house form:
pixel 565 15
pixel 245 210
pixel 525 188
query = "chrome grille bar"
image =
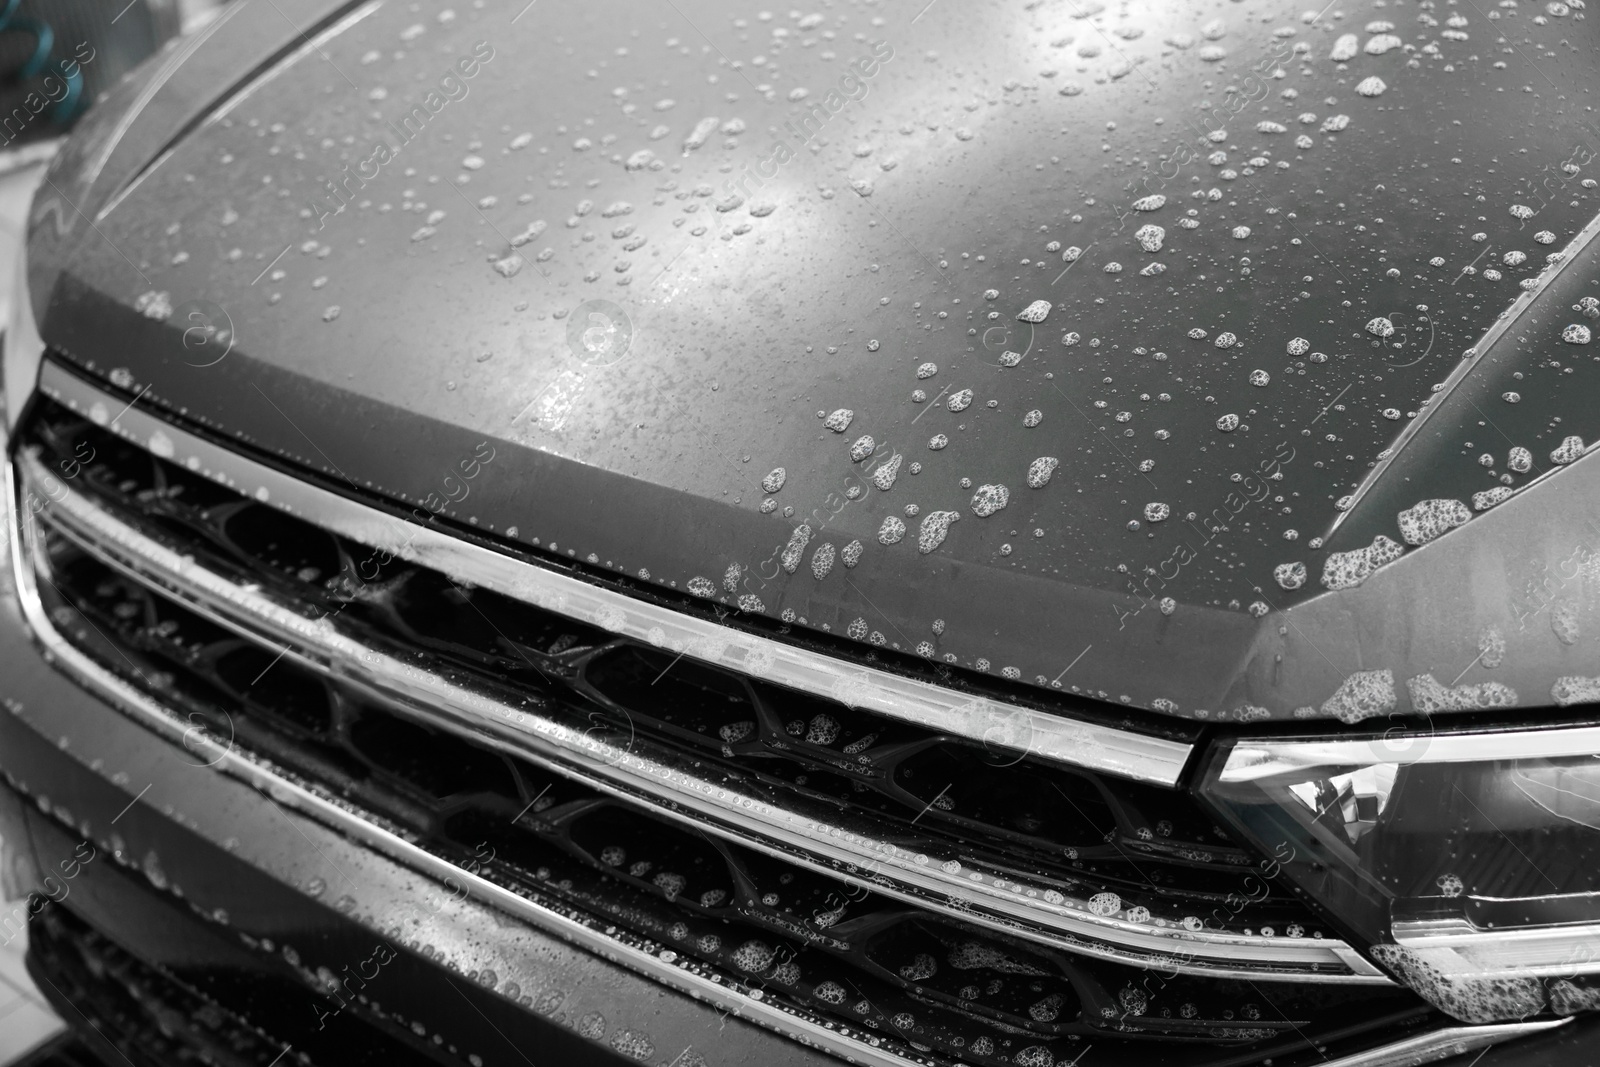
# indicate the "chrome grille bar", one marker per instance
pixel 997 725
pixel 855 1046
pixel 923 875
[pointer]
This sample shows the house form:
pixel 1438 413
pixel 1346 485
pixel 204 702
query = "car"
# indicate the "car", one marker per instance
pixel 696 534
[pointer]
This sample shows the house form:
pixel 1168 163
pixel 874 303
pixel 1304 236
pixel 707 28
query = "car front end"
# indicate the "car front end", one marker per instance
pixel 428 638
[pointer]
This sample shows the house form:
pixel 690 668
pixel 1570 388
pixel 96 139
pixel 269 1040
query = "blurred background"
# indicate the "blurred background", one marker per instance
pixel 38 39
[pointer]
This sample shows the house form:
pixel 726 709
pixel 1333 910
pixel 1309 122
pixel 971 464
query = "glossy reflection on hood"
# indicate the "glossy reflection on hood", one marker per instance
pixel 1090 342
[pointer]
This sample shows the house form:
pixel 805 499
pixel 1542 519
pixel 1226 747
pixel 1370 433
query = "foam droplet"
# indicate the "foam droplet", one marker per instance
pixel 989 499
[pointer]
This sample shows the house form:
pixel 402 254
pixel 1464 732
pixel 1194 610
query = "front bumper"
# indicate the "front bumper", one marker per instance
pixel 271 917
pixel 276 918
pixel 315 934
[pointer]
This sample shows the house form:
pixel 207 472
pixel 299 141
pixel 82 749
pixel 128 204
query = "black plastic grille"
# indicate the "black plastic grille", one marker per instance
pixel 917 976
pixel 143 1015
pixel 1151 846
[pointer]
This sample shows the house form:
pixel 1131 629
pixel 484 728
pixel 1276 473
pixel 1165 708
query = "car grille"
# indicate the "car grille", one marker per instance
pixel 143 1014
pixel 814 918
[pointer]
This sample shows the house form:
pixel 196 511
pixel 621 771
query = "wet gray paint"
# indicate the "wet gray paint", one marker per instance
pixel 706 296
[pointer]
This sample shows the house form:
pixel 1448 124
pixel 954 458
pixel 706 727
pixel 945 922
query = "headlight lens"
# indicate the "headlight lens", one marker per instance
pixel 23 346
pixel 1464 863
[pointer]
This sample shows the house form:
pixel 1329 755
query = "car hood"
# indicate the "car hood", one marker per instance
pixel 1093 348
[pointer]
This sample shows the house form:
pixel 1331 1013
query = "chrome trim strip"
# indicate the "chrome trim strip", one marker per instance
pixel 1252 760
pixel 1454 943
pixel 659 967
pixel 989 722
pixel 1421 1048
pixel 1438 1044
pixel 1510 952
pixel 670 783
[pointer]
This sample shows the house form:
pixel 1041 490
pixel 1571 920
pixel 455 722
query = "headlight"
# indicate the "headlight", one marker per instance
pixel 1468 866
pixel 23 346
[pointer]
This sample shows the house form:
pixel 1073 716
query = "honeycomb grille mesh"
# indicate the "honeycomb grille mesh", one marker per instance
pixel 817 937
